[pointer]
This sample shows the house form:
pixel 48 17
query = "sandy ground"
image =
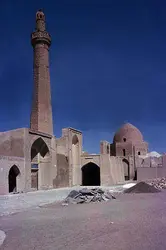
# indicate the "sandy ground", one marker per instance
pixel 129 222
pixel 13 203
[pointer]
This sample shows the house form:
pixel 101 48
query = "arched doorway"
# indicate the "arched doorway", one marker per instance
pixel 126 168
pixel 39 154
pixel 75 160
pixel 12 178
pixel 90 174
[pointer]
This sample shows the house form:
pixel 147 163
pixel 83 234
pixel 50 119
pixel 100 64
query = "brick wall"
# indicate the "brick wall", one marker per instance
pixel 12 143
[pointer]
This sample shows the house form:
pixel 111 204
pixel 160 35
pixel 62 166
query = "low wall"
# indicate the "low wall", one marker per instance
pixel 145 173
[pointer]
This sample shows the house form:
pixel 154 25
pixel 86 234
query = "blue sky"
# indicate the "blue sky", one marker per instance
pixel 107 64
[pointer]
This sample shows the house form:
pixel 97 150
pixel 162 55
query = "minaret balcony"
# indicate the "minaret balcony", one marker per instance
pixel 40 37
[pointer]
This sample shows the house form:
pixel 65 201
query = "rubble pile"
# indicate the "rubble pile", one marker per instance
pixel 142 187
pixel 159 183
pixel 86 195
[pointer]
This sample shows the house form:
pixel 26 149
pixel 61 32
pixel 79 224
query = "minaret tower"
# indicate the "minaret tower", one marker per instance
pixel 41 113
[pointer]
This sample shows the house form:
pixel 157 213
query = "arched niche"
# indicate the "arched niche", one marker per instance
pixel 14 172
pixel 75 160
pixel 126 167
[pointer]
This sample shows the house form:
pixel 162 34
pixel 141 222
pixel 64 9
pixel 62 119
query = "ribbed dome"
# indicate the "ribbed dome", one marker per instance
pixel 128 133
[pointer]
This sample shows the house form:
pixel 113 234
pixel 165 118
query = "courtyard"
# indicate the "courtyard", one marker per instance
pixel 132 221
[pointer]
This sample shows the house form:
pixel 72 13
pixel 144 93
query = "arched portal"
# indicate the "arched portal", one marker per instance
pixel 90 174
pixel 39 163
pixel 75 160
pixel 126 169
pixel 39 147
pixel 12 178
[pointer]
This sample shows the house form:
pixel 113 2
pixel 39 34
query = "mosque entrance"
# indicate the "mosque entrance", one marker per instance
pixel 90 174
pixel 12 178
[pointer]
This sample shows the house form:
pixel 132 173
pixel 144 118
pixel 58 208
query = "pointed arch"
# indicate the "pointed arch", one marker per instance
pixel 39 146
pixel 90 174
pixel 12 178
pixel 126 166
pixel 75 140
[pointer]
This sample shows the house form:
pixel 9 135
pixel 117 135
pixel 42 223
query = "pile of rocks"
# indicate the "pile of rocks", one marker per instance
pixel 86 195
pixel 159 183
pixel 142 187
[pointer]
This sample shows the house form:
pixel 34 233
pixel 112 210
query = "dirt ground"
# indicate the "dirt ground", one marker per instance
pixel 132 221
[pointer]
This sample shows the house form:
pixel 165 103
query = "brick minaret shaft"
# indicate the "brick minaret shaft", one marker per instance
pixel 41 114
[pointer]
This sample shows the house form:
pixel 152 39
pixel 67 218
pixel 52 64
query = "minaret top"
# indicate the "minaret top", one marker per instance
pixel 40 35
pixel 40 15
pixel 40 21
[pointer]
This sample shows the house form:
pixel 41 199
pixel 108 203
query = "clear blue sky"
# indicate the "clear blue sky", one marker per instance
pixel 107 63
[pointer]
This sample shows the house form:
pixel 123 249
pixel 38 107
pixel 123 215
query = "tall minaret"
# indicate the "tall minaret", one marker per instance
pixel 41 114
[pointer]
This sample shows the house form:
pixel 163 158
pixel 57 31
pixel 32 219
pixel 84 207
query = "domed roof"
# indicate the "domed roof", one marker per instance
pixel 128 133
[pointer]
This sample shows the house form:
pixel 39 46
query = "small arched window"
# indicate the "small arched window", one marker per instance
pixel 139 153
pixel 124 152
pixel 124 139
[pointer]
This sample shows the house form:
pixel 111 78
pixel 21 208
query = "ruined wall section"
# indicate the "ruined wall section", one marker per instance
pixel 116 170
pixel 111 167
pixel 61 146
pixel 105 173
pixel 62 166
pixel 111 170
pixel 74 152
pixel 62 176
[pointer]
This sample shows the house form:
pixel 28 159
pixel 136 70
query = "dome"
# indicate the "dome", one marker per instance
pixel 128 133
